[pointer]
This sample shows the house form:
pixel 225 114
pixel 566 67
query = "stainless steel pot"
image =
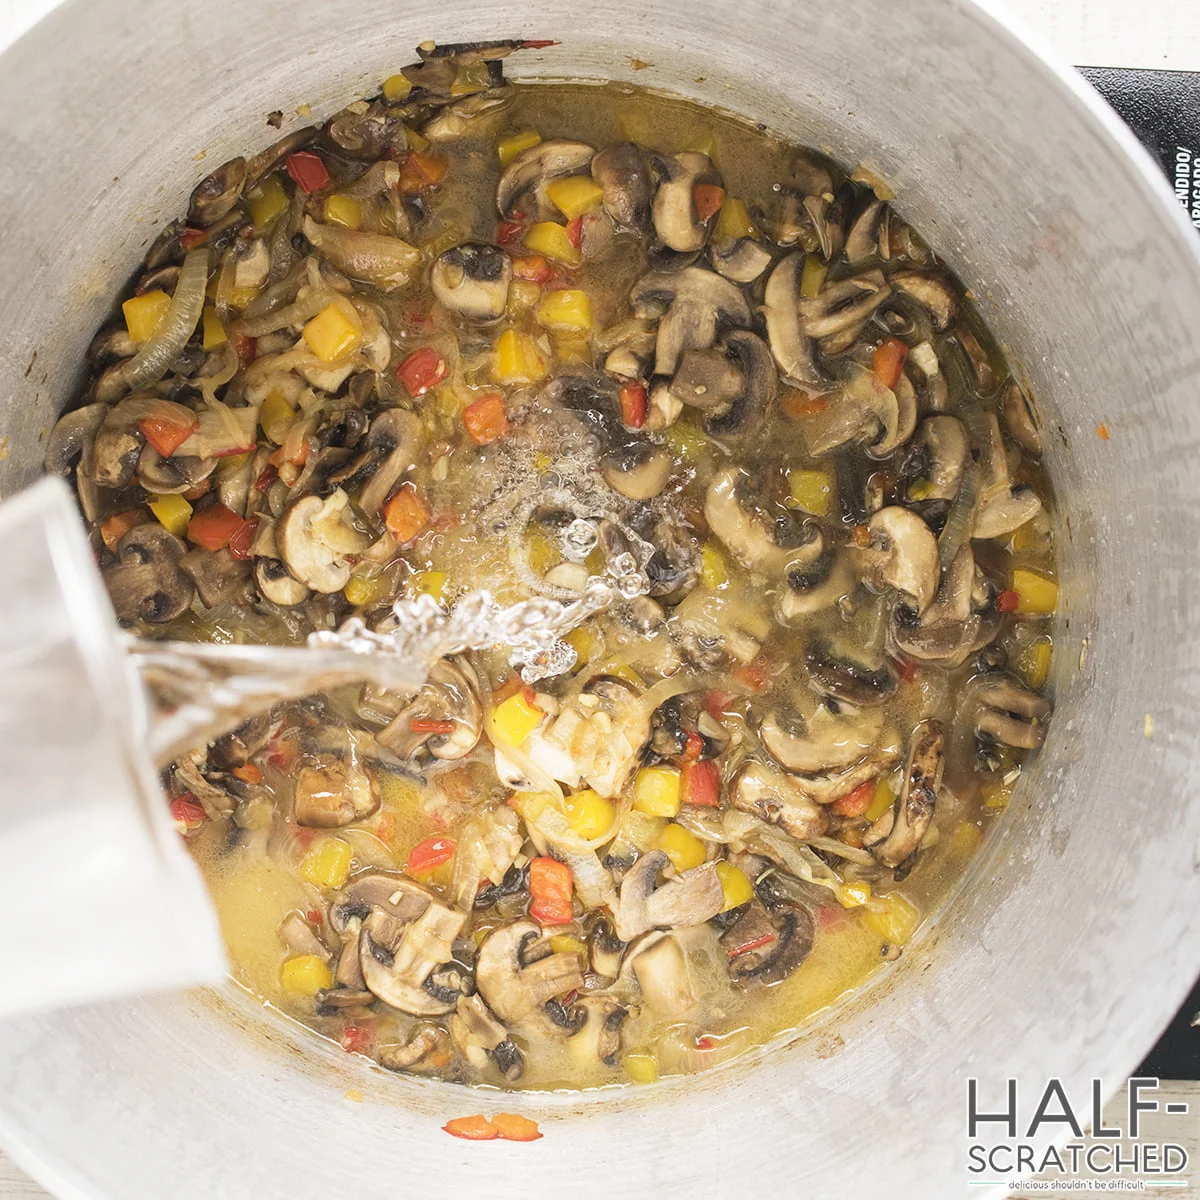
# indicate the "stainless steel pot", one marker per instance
pixel 1070 942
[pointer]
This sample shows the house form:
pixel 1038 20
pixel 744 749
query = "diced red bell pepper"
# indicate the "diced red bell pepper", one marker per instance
pixel 888 361
pixel 1007 602
pixel 531 44
pixel 531 267
pixel 473 1129
pixel 246 347
pixel 419 172
pixel 355 1038
pixel 314 917
pixel 385 827
pixel 190 238
pixel 754 944
pixel 213 527
pixel 700 783
pixel 508 232
pixel 550 889
pixel 716 704
pixel 693 747
pixel 905 667
pixel 248 773
pixel 266 477
pixel 307 169
pixel 429 855
pixel 421 725
pixel 575 232
pixel 243 539
pixel 406 514
pixel 421 370
pixel 755 675
pixel 485 419
pixel 798 404
pixel 708 198
pixel 187 812
pixel 167 435
pixel 706 1042
pixel 633 405
pixel 515 1128
pixel 855 803
pixel 116 527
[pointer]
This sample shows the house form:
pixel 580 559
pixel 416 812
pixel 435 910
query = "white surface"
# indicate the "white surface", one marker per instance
pixel 1150 33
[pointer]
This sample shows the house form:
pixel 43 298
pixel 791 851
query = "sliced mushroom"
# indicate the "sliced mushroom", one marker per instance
pixel 743 260
pixel 218 576
pixel 749 538
pixel 147 582
pixel 1001 507
pixel 778 942
pixel 395 895
pixel 690 899
pixel 605 949
pixel 277 584
pixel 398 959
pixel 623 173
pixel 518 974
pixel 903 554
pixel 981 365
pixel 71 434
pixel 216 194
pixel 1019 420
pixel 1010 713
pixel 791 347
pixel 472 280
pixel 537 166
pixel 171 476
pixel 862 237
pixel 693 304
pixel 932 292
pixel 660 967
pixel 471 115
pixel 396 434
pixel 376 258
pixel 300 937
pixel 314 539
pixel 842 304
pixel 748 410
pixel 846 680
pixel 676 220
pixel 778 799
pixel 414 1054
pixel 478 1036
pixel 336 792
pixel 909 819
pixel 599 1037
pixel 942 447
pixel 815 581
pixel 637 469
pixel 451 694
pixel 826 741
pixel 189 772
pixel 706 379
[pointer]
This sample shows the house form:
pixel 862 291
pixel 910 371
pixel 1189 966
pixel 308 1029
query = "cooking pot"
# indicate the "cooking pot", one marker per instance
pixel 1069 942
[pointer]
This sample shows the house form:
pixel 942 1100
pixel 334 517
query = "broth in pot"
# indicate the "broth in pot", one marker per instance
pixel 469 334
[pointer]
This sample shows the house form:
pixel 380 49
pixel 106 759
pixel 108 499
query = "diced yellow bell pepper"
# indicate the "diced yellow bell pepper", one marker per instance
pixel 582 640
pixel 327 863
pixel 362 590
pixel 344 210
pixel 518 359
pixel 431 583
pixel 686 440
pixel 241 298
pixel 920 489
pixel 853 895
pixel 552 240
pixel 881 801
pixel 964 841
pixel 573 348
pixel 735 885
pixel 811 490
pixel 563 943
pixel 995 794
pixel 589 815
pixel 305 975
pixel 515 719
pixel 1025 537
pixel 541 551
pixel 145 313
pixel 812 278
pixel 275 416
pixel 641 1066
pixel 266 201
pixel 626 672
pixel 1034 663
pixel 511 144
pixel 444 240
pixel 733 221
pixel 656 791
pixel 575 195
pixel 330 334
pixel 173 513
pixel 684 849
pixel 523 294
pixel 396 89
pixel 212 329
pixel 892 917
pixel 416 141
pixel 1036 593
pixel 714 571
pixel 565 308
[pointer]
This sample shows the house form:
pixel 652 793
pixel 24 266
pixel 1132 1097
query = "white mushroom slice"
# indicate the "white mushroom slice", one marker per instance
pixel 335 793
pixel 745 536
pixel 690 899
pixel 932 292
pixel 397 959
pixel 660 967
pixel 778 799
pixel 598 1039
pixel 826 741
pixel 472 280
pixel 623 173
pixel 518 974
pixel 903 554
pixel 1002 508
pixel 253 265
pixel 904 826
pixel 791 347
pixel 450 694
pixel 1010 713
pixel 314 538
pixel 742 260
pixel 276 583
pixel 537 166
pixel 676 220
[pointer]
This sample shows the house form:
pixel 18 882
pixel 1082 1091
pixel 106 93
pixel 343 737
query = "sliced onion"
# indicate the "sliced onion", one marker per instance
pixel 151 362
pixel 961 518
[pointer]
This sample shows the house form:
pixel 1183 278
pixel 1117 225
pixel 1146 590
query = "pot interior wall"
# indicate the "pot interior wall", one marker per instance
pixel 1063 952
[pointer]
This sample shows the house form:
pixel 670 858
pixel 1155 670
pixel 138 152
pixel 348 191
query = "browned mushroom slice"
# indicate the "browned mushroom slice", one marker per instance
pixel 472 280
pixel 689 899
pixel 1002 507
pixel 902 554
pixel 676 220
pixel 336 792
pixel 862 236
pixel 982 372
pixel 518 974
pixel 623 173
pixel 217 193
pixel 790 345
pixel 451 695
pixel 598 1039
pixel 845 679
pixel 1019 420
pixel 896 836
pixel 314 539
pixel 415 1054
pixel 932 292
pixel 71 435
pixel 479 1037
pixel 395 434
pixel 532 169
pixel 398 959
pixel 842 304
pixel 377 258
pixel 147 582
pixel 778 799
pixel 765 948
pixel 300 937
pixel 219 577
pixel 1010 713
